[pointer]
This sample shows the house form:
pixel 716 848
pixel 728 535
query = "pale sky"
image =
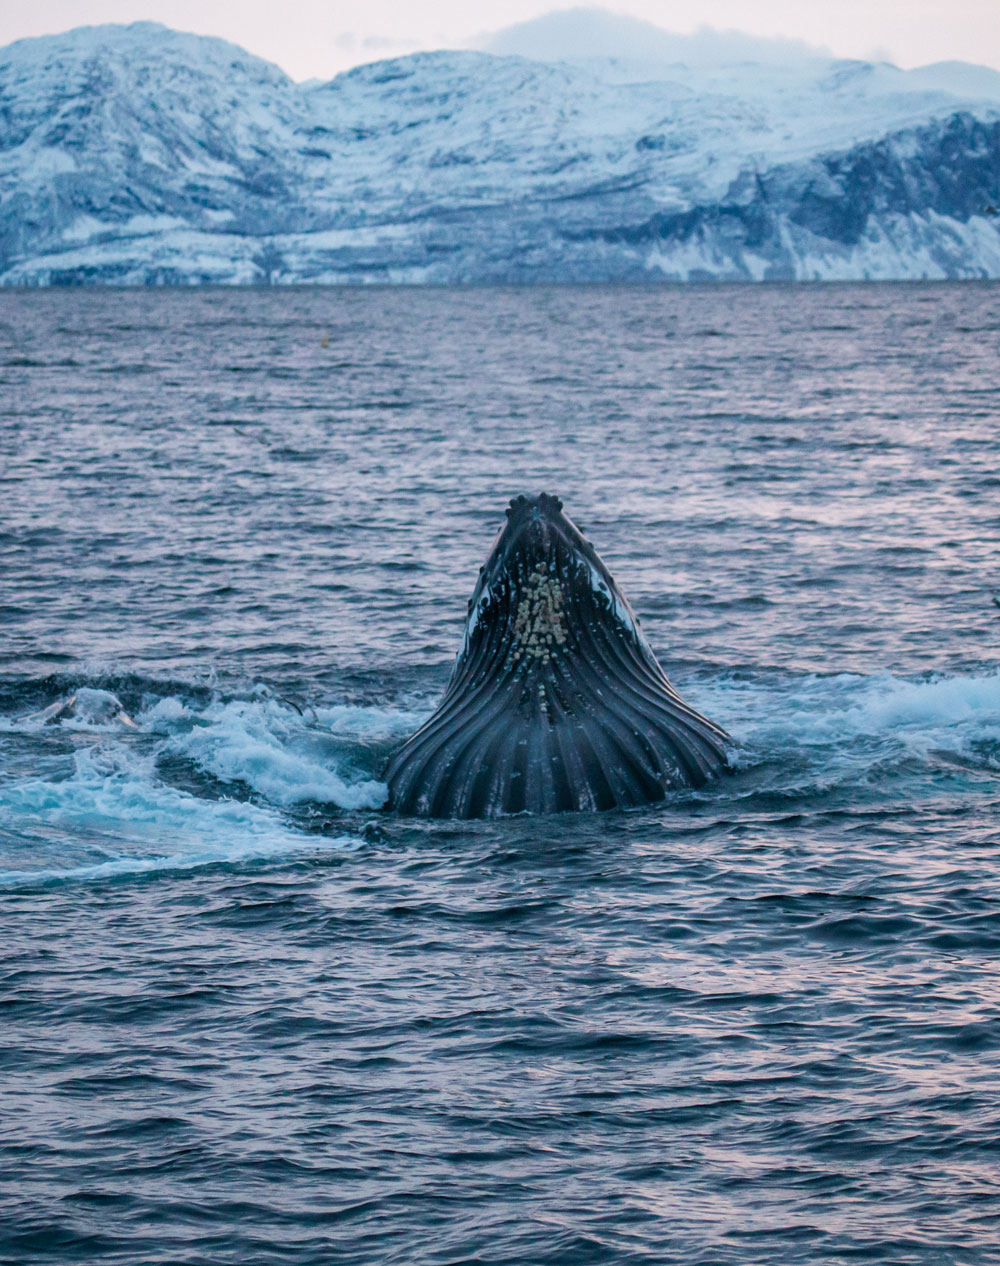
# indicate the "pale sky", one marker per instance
pixel 319 38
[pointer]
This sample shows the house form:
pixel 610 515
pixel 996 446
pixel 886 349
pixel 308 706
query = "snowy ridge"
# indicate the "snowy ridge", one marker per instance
pixel 137 154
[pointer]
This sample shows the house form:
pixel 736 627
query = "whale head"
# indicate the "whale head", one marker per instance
pixel 556 701
pixel 541 580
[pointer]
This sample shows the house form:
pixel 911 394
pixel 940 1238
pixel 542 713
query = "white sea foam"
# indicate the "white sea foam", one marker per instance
pixel 266 745
pixel 350 721
pixel 125 819
pixel 936 713
pixel 114 800
pixel 289 757
pixel 888 702
pixel 86 709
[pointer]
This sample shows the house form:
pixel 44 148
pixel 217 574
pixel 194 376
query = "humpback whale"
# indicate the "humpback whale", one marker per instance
pixel 556 701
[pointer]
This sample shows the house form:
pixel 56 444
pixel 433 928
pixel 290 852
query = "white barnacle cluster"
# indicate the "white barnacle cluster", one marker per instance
pixel 539 626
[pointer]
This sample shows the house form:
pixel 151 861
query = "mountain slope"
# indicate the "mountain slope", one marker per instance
pixel 139 154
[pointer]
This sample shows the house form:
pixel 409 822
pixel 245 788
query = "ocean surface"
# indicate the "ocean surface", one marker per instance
pixel 246 1016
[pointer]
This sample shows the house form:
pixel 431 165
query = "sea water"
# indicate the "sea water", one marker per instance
pixel 247 1016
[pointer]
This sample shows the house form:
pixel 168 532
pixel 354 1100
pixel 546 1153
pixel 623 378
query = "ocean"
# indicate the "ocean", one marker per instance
pixel 248 1016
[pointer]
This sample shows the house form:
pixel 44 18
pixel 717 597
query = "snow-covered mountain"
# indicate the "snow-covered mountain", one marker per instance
pixel 140 154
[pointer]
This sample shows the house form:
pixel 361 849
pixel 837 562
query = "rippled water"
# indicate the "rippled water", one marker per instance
pixel 247 1017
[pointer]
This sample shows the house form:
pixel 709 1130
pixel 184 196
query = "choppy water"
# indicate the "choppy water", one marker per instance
pixel 247 1017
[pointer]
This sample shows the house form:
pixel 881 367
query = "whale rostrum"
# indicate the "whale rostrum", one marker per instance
pixel 556 701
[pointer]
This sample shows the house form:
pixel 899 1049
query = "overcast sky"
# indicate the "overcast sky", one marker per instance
pixel 318 38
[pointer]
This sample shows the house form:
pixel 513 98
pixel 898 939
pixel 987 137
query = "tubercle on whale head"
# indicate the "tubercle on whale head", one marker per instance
pixel 536 531
pixel 539 547
pixel 542 504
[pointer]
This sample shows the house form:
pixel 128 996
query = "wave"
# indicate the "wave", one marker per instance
pixel 191 779
pixel 114 816
pixel 264 745
pixel 87 708
pixel 819 711
pixel 184 781
pixel 817 733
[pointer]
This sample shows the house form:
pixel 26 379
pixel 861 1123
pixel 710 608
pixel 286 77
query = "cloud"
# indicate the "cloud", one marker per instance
pixel 351 42
pixel 388 41
pixel 580 33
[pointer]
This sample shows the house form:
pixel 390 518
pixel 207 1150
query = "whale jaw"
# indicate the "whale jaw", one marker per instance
pixel 556 702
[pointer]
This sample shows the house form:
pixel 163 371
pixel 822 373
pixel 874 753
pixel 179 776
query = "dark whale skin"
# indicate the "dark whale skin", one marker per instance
pixel 556 702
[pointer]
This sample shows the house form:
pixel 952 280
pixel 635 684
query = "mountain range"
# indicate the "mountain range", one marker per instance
pixel 138 154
